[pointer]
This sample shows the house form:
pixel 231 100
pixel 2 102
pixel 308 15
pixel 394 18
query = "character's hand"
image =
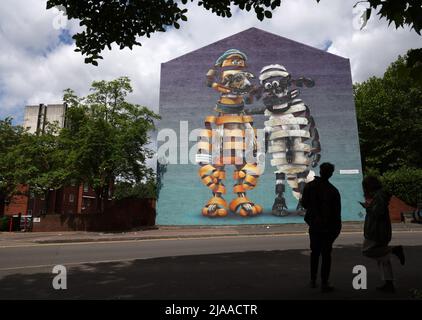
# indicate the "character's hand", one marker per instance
pixel 210 77
pixel 257 92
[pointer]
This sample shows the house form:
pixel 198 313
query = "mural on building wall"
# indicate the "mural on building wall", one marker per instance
pixel 266 111
pixel 291 131
pixel 227 138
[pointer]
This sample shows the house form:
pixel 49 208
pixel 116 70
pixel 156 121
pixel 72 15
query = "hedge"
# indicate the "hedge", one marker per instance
pixel 405 183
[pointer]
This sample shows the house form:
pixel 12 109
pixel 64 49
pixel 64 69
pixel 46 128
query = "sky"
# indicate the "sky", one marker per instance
pixel 37 58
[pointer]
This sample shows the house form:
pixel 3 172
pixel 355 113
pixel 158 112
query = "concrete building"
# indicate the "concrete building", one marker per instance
pixel 37 116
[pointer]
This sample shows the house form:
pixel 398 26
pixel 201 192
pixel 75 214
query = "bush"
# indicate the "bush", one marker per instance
pixel 405 183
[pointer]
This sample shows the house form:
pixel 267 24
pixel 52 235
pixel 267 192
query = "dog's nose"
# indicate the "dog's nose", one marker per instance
pixel 246 83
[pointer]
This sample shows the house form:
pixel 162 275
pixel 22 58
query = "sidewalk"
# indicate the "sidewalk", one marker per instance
pixel 175 232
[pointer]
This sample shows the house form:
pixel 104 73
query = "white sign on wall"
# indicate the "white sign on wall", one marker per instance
pixel 349 171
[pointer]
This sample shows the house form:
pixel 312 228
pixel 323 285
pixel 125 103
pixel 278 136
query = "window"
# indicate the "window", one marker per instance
pixel 71 197
pixel 86 187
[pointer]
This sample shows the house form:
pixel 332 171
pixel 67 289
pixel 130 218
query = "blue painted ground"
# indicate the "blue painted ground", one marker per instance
pixel 185 196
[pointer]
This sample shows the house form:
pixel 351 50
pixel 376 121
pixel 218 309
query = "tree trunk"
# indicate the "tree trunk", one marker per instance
pixel 98 200
pixel 46 201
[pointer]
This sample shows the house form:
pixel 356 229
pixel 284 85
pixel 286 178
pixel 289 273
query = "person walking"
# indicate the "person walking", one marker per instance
pixel 322 202
pixel 377 231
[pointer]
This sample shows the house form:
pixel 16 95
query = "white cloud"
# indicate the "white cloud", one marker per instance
pixel 35 67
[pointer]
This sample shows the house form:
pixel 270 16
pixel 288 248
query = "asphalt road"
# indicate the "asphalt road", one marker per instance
pixel 241 267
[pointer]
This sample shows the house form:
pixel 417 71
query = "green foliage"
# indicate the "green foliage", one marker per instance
pixel 123 22
pixel 389 114
pixel 124 190
pixel 104 140
pixel 40 158
pixel 10 137
pixel 106 136
pixel 405 183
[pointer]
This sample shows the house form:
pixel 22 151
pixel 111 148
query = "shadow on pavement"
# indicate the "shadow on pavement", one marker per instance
pixel 246 275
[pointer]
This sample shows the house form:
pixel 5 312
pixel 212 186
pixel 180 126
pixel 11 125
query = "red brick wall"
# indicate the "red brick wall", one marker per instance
pixel 18 203
pixel 121 216
pixel 397 206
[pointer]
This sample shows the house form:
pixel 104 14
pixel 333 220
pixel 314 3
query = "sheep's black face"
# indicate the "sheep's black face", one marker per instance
pixel 276 92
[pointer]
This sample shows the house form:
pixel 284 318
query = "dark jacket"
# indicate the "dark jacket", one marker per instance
pixel 323 206
pixel 377 220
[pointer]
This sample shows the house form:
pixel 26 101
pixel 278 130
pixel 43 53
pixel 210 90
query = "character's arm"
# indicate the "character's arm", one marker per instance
pixel 259 110
pixel 302 81
pixel 210 81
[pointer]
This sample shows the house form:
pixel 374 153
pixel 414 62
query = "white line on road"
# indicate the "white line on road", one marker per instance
pixel 182 238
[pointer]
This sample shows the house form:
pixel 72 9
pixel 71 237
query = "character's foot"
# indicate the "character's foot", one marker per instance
pixel 279 207
pixel 399 253
pixel 245 206
pixel 300 210
pixel 216 207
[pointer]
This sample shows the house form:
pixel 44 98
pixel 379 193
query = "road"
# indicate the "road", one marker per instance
pixel 241 267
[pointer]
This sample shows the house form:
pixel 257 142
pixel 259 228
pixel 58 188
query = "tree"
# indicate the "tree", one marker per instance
pixel 41 162
pixel 123 21
pixel 106 137
pixel 389 113
pixel 10 137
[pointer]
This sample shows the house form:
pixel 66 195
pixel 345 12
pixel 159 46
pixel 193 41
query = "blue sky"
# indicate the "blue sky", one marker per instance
pixel 37 59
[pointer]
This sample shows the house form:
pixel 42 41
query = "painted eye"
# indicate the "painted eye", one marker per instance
pixel 235 62
pixel 275 84
pixel 267 86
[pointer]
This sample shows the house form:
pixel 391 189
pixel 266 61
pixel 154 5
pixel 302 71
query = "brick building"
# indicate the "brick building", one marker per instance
pixel 71 199
pixel 66 200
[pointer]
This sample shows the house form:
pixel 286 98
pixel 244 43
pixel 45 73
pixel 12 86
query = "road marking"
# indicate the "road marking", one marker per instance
pixel 234 236
pixel 168 239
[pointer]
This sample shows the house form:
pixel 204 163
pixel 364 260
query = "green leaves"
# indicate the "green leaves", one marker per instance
pixel 400 12
pixel 107 136
pixel 124 22
pixel 389 113
pixel 104 140
pixel 405 183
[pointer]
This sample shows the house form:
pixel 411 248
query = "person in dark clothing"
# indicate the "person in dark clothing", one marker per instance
pixel 323 215
pixel 377 231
